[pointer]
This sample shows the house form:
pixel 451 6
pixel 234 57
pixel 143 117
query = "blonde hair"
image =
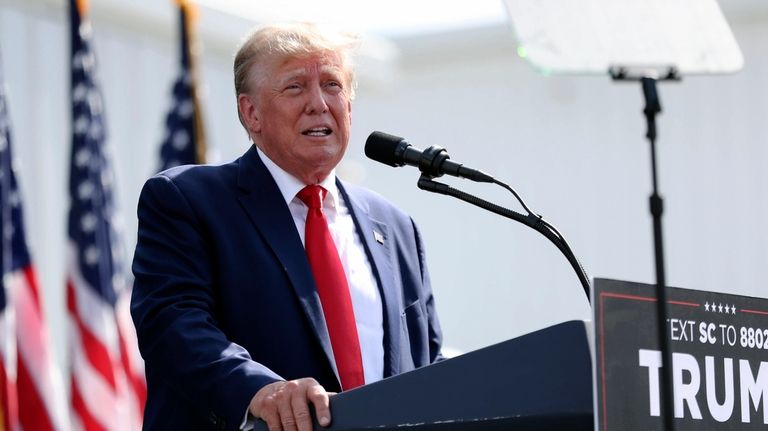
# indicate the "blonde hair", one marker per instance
pixel 291 40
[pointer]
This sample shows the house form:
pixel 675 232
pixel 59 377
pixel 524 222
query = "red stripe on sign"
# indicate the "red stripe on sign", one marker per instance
pixel 764 313
pixel 96 352
pixel 647 299
pixel 686 304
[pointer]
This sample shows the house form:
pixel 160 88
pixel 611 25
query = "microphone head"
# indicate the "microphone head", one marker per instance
pixel 385 148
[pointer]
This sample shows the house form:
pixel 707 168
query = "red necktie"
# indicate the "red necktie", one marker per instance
pixel 333 289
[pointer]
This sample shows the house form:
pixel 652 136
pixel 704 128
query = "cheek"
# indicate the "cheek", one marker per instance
pixel 343 113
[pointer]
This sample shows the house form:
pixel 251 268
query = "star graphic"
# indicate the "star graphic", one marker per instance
pixel 720 308
pixel 706 306
pixel 733 309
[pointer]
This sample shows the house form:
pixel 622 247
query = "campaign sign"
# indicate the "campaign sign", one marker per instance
pixel 719 346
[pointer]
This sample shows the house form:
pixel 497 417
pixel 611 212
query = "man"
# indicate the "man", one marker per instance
pixel 249 302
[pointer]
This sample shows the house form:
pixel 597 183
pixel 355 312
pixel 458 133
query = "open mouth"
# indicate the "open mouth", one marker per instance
pixel 317 131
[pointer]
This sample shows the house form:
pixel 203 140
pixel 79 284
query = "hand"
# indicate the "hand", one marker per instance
pixel 284 406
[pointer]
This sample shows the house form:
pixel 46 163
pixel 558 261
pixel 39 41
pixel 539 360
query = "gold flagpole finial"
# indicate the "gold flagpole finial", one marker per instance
pixel 82 7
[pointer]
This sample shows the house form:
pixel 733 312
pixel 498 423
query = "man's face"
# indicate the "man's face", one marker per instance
pixel 299 113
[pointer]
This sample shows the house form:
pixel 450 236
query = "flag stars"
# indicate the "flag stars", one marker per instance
pixel 85 30
pixel 94 101
pixel 88 222
pixel 185 109
pixel 82 157
pixel 80 93
pixel 85 190
pixel 77 60
pixel 180 139
pixel 95 131
pixel 106 178
pixel 83 60
pixel 82 123
pixel 91 255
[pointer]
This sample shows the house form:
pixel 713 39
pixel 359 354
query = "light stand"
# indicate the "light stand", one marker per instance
pixel 648 79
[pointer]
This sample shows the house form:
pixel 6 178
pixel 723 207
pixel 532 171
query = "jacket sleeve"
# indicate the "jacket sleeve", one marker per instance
pixel 173 308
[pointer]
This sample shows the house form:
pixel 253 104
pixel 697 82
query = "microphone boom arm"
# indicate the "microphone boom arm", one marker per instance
pixel 531 220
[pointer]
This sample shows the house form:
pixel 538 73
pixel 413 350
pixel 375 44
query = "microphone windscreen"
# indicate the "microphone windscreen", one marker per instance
pixel 382 147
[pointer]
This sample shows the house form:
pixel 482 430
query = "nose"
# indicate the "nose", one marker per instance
pixel 316 101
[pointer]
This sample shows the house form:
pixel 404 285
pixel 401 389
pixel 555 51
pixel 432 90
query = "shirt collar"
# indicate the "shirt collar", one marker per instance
pixel 289 185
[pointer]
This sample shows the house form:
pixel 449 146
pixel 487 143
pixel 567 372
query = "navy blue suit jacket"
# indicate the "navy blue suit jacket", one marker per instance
pixel 224 301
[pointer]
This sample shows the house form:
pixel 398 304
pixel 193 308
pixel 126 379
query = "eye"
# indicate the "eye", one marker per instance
pixel 293 87
pixel 334 85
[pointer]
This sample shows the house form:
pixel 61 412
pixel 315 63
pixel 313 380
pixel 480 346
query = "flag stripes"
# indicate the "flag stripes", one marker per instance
pixel 107 385
pixel 33 396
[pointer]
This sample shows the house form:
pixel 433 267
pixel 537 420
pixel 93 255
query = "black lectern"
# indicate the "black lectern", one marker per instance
pixel 539 381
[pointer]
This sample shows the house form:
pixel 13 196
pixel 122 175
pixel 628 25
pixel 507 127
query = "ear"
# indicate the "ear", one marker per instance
pixel 248 112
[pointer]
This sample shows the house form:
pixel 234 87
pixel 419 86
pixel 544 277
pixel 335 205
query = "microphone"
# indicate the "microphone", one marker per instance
pixel 434 161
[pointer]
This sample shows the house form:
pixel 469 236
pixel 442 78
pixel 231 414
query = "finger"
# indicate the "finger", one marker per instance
pixel 272 419
pixel 300 408
pixel 284 407
pixel 264 406
pixel 320 400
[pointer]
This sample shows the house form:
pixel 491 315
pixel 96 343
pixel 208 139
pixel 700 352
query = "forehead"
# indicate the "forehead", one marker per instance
pixel 293 66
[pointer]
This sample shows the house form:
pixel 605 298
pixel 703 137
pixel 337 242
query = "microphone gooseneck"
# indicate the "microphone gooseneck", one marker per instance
pixel 433 162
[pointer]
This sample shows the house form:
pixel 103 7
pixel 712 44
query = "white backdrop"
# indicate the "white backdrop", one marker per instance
pixel 572 146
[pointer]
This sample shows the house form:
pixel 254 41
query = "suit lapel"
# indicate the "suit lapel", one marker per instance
pixel 378 245
pixel 262 201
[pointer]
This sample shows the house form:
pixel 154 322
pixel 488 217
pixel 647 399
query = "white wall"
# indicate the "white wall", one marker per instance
pixel 572 146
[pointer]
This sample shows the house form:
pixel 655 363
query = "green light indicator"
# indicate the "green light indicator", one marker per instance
pixel 521 52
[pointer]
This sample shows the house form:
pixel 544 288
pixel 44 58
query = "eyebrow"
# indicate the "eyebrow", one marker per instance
pixel 299 72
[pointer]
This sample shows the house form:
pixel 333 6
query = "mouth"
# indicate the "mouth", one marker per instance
pixel 317 131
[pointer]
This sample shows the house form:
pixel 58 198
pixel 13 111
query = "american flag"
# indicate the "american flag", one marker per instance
pixel 11 263
pixel 39 397
pixel 107 377
pixel 183 143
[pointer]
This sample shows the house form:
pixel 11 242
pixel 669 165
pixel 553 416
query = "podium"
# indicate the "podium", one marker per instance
pixel 539 381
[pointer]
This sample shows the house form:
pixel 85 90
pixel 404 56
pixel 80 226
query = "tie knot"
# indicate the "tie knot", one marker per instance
pixel 313 196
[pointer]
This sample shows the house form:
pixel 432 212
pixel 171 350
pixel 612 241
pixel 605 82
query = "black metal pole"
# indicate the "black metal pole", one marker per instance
pixel 653 107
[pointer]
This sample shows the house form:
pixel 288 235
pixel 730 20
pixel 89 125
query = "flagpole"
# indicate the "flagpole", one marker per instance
pixel 190 18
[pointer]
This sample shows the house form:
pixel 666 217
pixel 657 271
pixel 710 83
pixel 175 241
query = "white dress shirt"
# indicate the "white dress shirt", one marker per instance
pixel 364 291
